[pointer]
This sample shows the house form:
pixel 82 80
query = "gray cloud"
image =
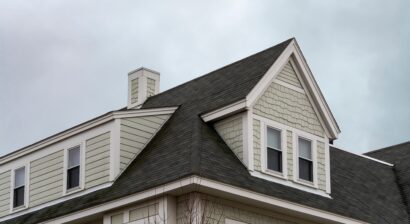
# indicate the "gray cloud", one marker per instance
pixel 64 62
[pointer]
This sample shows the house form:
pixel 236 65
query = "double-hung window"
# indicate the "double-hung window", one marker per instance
pixel 73 168
pixel 305 159
pixel 19 187
pixel 274 150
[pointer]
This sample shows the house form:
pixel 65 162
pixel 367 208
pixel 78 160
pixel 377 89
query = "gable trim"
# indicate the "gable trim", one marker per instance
pixel 293 51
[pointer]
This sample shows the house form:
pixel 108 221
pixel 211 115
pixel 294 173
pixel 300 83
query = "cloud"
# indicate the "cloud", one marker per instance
pixel 64 62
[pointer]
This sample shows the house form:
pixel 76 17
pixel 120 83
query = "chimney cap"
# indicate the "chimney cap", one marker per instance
pixel 143 69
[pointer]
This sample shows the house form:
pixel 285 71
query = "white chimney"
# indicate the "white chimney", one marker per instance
pixel 142 83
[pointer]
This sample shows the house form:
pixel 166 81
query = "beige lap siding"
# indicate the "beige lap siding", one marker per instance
pixel 321 165
pixel 289 107
pixel 134 90
pixel 5 193
pixel 217 210
pixel 257 145
pixel 135 134
pixel 46 178
pixel 230 130
pixel 289 76
pixel 97 160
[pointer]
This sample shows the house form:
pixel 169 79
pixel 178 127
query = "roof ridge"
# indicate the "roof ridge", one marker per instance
pixel 387 148
pixel 223 67
pixel 364 156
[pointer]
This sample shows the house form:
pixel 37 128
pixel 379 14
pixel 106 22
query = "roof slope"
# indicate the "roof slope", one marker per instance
pixel 361 188
pixel 399 155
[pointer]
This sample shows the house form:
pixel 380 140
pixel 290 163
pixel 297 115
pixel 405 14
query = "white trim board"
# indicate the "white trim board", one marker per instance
pixel 204 185
pixel 224 111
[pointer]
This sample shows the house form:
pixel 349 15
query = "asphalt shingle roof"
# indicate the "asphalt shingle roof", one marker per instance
pixel 361 188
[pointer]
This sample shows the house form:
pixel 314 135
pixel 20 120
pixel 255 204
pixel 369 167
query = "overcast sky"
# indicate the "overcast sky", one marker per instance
pixel 65 62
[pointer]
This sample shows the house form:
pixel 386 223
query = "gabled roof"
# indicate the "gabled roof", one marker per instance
pixel 361 188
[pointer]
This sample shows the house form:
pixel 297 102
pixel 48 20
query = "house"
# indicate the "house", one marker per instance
pixel 251 142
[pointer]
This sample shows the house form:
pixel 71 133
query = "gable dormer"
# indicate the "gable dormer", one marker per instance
pixel 281 131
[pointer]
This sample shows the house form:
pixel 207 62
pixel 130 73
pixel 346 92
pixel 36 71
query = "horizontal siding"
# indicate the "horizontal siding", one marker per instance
pixel 135 134
pixel 46 178
pixel 4 193
pixel 97 160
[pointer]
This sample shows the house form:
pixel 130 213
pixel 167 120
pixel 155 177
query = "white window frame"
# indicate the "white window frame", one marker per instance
pixel 264 145
pixel 82 169
pixel 26 188
pixel 313 141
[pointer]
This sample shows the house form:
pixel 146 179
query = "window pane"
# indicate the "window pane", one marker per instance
pixel 73 177
pixel 18 199
pixel 19 177
pixel 274 160
pixel 117 219
pixel 273 138
pixel 74 157
pixel 305 169
pixel 305 149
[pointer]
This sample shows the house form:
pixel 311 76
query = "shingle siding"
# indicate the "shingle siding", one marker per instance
pixel 321 165
pixel 46 178
pixel 135 134
pixel 4 193
pixel 289 76
pixel 231 131
pixel 257 145
pixel 289 107
pixel 97 157
pixel 289 141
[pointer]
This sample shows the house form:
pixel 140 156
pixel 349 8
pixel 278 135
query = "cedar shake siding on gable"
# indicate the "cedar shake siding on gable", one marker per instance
pixel 135 134
pixel 97 157
pixel 46 178
pixel 230 129
pixel 289 141
pixel 4 193
pixel 257 145
pixel 289 76
pixel 289 107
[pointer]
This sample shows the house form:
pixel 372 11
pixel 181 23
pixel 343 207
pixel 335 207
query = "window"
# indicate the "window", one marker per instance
pixel 305 160
pixel 73 168
pixel 274 150
pixel 19 187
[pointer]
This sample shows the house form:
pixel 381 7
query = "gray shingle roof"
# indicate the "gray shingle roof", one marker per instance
pixel 361 188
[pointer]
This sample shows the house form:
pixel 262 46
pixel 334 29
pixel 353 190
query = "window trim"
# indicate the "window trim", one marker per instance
pixel 264 145
pixel 162 203
pixel 82 169
pixel 26 188
pixel 313 142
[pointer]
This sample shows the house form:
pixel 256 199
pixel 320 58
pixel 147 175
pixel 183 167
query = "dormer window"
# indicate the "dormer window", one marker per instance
pixel 73 168
pixel 19 187
pixel 274 150
pixel 305 159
